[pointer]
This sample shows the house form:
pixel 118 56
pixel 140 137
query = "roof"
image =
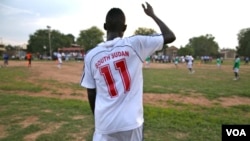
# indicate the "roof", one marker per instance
pixel 172 48
pixel 2 49
pixel 70 49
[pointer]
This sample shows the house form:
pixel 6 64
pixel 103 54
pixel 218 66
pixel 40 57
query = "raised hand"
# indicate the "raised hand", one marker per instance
pixel 167 34
pixel 148 9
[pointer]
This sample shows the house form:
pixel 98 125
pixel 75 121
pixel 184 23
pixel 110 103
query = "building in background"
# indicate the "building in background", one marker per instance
pixel 74 52
pixel 2 49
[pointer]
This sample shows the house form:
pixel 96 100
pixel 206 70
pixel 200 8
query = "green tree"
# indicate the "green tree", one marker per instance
pixel 144 31
pixel 59 40
pixel 89 38
pixel 10 47
pixel 244 42
pixel 37 41
pixel 204 45
pixel 183 51
pixel 40 39
pixel 71 37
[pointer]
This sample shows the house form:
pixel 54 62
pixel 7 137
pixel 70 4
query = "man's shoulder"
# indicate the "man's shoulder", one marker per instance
pixel 139 36
pixel 93 51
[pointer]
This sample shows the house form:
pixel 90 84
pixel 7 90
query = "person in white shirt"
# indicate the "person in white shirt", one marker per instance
pixel 59 59
pixel 190 61
pixel 113 77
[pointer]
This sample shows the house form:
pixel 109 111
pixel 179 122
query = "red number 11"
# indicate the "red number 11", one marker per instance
pixel 121 66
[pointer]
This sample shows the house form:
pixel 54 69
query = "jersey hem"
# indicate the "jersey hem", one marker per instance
pixel 119 130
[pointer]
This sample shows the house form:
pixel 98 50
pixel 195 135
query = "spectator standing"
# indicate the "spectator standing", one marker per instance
pixel 246 60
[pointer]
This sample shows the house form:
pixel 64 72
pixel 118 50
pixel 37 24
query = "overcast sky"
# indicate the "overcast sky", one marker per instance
pixel 187 18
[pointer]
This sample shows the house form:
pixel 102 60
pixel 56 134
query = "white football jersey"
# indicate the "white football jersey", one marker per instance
pixel 59 57
pixel 190 60
pixel 114 68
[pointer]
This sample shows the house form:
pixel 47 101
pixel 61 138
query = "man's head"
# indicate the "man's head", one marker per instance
pixel 115 20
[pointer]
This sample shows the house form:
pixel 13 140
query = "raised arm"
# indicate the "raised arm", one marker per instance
pixel 168 35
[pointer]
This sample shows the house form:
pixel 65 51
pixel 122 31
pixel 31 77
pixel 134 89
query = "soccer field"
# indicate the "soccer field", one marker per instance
pixel 178 105
pixel 172 83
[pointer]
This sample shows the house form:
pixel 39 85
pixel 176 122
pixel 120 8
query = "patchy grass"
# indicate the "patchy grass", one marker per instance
pixel 29 118
pixel 51 119
pixel 207 81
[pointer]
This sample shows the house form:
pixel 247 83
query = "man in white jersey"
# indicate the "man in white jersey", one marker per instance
pixel 190 61
pixel 59 60
pixel 113 77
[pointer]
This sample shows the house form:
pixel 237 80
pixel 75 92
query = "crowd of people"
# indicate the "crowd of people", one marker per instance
pixel 58 56
pixel 189 60
pixel 69 55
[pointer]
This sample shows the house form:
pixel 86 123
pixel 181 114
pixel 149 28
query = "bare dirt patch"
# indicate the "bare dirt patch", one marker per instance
pixel 162 100
pixel 50 129
pixel 28 121
pixel 71 73
pixel 2 132
pixel 78 117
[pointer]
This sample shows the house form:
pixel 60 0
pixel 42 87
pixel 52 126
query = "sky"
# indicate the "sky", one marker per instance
pixel 223 19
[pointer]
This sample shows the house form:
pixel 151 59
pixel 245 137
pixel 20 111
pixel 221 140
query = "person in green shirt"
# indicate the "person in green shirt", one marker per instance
pixel 147 61
pixel 176 61
pixel 218 62
pixel 236 67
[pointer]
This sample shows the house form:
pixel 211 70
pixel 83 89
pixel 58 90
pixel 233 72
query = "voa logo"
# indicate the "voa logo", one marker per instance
pixel 236 132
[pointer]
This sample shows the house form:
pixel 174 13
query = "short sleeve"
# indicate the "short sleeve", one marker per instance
pixel 87 80
pixel 146 45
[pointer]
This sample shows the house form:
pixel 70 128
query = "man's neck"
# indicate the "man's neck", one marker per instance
pixel 113 35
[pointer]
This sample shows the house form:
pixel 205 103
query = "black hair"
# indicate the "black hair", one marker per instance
pixel 115 20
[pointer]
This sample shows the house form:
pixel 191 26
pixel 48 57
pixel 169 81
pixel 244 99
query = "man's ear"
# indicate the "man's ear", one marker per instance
pixel 124 28
pixel 105 26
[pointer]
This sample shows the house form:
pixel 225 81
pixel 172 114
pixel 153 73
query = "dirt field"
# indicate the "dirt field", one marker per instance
pixel 72 71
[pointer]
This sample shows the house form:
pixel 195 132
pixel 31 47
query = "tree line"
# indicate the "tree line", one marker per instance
pixel 89 38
